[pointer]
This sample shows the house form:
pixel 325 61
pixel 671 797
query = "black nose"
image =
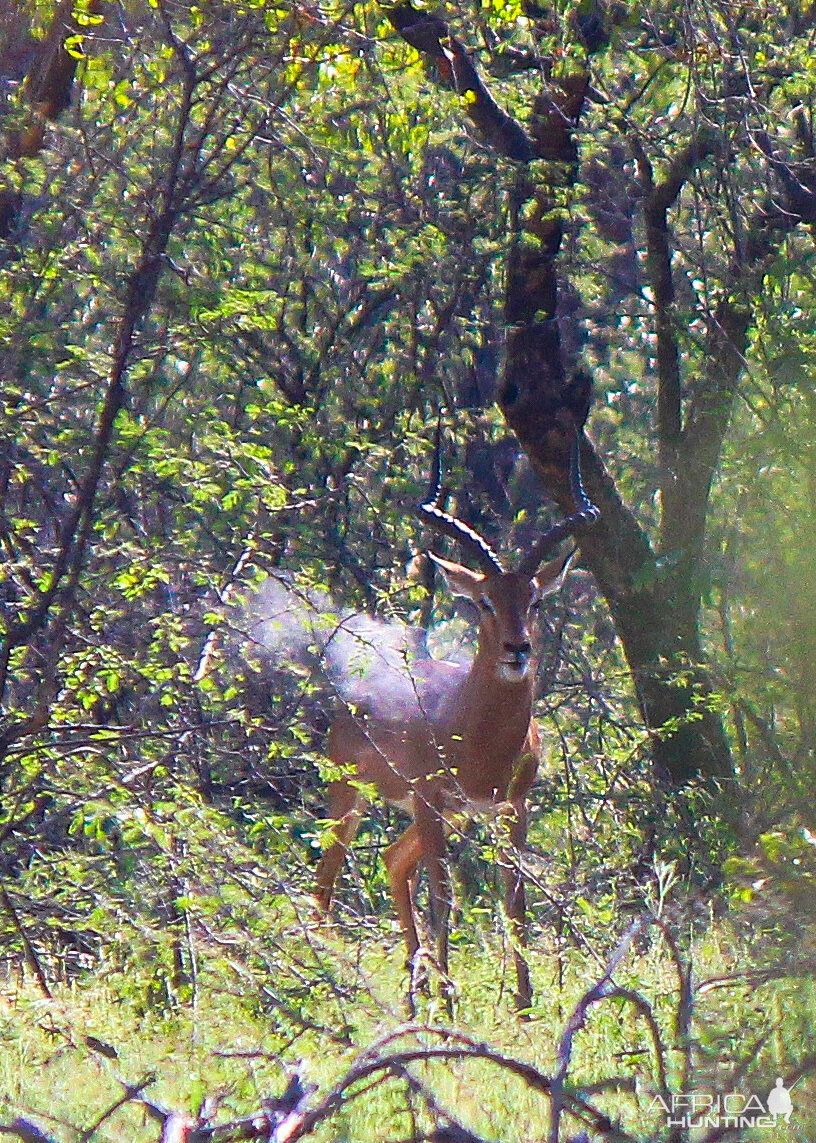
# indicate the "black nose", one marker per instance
pixel 517 648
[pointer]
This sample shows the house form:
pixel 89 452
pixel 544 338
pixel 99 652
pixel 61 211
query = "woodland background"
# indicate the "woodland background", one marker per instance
pixel 248 252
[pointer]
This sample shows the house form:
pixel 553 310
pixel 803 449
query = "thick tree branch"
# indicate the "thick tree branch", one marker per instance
pixel 654 596
pixel 544 403
pixel 707 417
pixel 50 69
pixel 431 37
pixel 708 409
pixel 659 197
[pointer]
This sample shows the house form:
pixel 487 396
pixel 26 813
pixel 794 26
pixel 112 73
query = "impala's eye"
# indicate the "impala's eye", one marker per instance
pixel 486 606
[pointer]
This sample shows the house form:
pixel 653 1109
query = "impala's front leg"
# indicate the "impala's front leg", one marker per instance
pixel 430 825
pixel 514 839
pixel 401 860
pixel 345 812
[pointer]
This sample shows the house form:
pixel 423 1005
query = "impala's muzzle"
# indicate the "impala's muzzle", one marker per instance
pixel 515 662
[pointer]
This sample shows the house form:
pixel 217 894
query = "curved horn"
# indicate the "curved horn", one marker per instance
pixel 585 515
pixel 441 521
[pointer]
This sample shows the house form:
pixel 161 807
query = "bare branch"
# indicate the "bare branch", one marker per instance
pixel 602 989
pixel 458 1046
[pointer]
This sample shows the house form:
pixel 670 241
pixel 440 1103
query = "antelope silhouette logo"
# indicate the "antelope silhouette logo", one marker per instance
pixel 780 1104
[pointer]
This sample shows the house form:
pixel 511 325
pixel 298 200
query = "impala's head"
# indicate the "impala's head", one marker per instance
pixel 506 600
pixel 507 603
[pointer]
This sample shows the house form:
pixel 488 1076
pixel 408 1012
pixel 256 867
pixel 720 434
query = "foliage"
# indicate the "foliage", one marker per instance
pixel 255 254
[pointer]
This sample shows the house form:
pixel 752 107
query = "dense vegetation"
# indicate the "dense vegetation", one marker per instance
pixel 248 254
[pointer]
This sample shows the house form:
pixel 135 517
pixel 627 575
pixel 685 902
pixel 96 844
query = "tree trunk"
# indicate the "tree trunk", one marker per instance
pixel 653 589
pixel 655 611
pixel 654 602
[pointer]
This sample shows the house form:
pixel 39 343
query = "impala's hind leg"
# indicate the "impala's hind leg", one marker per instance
pixel 345 811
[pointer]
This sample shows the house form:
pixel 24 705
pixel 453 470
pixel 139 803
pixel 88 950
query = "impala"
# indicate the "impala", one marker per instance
pixel 465 743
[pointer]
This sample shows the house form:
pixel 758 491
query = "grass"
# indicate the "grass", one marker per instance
pixel 316 998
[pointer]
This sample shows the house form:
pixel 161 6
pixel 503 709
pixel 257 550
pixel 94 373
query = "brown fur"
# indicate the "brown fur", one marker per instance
pixel 467 741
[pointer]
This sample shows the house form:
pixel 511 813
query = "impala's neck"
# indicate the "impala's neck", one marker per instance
pixel 487 734
pixel 496 710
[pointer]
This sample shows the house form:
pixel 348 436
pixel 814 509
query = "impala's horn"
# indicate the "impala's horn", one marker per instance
pixel 446 525
pixel 584 516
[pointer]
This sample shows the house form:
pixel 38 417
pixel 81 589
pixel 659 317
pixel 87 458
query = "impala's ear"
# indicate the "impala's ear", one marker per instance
pixel 461 580
pixel 552 575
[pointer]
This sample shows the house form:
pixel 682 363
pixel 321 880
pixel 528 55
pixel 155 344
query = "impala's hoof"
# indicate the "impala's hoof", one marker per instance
pixel 320 909
pixel 417 968
pixel 447 991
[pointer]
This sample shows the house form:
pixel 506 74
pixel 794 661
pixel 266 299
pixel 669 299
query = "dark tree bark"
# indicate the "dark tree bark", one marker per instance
pixel 653 589
pixel 48 69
